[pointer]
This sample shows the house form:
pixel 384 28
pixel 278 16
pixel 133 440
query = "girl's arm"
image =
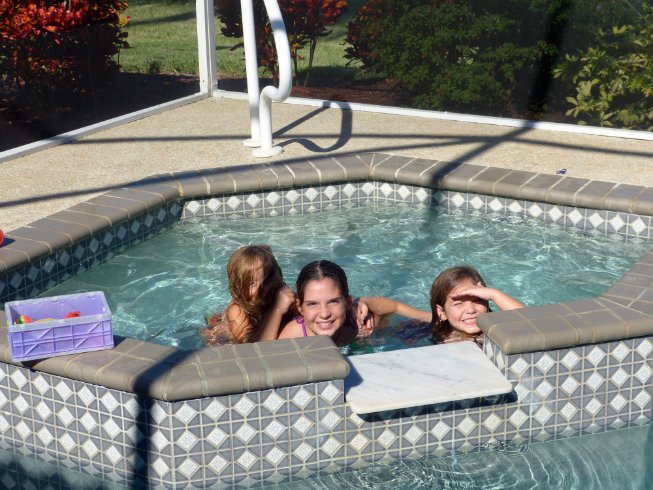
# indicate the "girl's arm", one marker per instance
pixel 498 297
pixel 238 322
pixel 382 307
pixel 271 324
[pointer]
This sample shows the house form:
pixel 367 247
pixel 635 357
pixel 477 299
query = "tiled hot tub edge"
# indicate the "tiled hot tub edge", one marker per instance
pixel 141 422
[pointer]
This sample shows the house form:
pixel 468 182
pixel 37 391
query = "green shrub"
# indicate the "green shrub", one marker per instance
pixel 484 56
pixel 53 51
pixel 613 78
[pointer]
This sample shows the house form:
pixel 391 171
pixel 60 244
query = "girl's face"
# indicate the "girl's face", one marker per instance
pixel 461 311
pixel 324 307
pixel 255 283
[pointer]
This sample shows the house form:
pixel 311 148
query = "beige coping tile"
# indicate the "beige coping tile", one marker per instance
pixel 459 177
pixel 647 296
pixel 563 192
pixel 94 224
pixel 387 168
pixel 274 347
pixel 218 180
pixel 128 373
pixel 643 203
pixel 489 320
pixel 285 370
pixel 11 259
pixel 647 258
pixel 638 324
pixel 88 366
pixel 357 167
pixel 377 158
pixel 184 382
pixel 634 279
pixel 245 351
pixel 322 365
pixel 166 191
pixel 592 195
pixel 75 232
pixel 52 239
pixel 215 353
pixel 191 184
pixel 149 199
pixel 537 188
pixel 556 332
pixel 484 182
pixel 411 173
pixel 432 176
pixel 510 184
pixel 285 177
pixel 150 351
pixel 581 324
pixel 605 327
pixel 583 305
pixel 134 208
pixel 246 178
pixel 114 215
pixel 543 311
pixel 517 338
pixel 642 269
pixel 613 302
pixel 645 307
pixel 52 365
pixel 621 197
pixel 223 377
pixel 267 178
pixel 303 173
pixel 255 375
pixel 29 251
pixel 621 290
pixel 328 170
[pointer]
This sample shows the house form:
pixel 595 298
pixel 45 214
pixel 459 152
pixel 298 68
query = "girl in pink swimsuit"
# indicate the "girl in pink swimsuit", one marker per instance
pixel 326 307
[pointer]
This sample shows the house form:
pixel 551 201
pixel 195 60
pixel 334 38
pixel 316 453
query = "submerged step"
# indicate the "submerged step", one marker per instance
pixel 421 376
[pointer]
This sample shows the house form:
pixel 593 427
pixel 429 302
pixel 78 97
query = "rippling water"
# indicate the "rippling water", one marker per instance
pixel 617 460
pixel 162 289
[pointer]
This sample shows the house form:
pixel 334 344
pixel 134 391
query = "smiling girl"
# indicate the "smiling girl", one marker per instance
pixel 458 296
pixel 326 307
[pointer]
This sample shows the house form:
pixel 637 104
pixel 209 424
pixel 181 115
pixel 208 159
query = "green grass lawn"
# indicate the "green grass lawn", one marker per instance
pixel 163 39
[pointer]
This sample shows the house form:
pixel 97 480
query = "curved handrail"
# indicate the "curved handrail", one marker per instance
pixel 261 105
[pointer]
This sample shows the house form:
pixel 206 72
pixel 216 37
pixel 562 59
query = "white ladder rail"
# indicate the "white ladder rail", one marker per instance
pixel 260 105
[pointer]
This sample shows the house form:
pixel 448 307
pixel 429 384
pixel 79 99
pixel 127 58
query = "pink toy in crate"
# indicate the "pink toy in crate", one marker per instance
pixel 59 325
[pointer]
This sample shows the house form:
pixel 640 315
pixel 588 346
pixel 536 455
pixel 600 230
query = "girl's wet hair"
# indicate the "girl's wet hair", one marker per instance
pixel 321 269
pixel 241 269
pixel 446 282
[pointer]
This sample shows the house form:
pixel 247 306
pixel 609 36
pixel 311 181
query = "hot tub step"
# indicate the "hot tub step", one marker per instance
pixel 421 376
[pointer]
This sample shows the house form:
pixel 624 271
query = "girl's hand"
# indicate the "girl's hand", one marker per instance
pixel 284 299
pixel 478 291
pixel 364 319
pixel 498 297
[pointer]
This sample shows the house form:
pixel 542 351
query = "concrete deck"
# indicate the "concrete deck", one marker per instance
pixel 209 134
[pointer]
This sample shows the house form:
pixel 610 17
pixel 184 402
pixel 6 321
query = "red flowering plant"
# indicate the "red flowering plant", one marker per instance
pixel 53 49
pixel 305 21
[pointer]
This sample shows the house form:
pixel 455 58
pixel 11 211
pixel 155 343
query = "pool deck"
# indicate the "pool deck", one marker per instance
pixel 209 134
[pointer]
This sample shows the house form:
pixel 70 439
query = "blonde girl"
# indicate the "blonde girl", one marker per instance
pixel 260 300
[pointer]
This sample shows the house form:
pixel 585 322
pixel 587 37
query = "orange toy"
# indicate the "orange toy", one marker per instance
pixel 22 319
pixel 73 314
pixel 2 237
